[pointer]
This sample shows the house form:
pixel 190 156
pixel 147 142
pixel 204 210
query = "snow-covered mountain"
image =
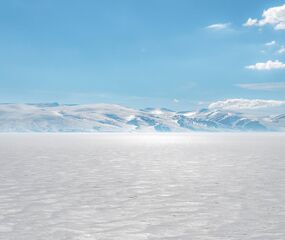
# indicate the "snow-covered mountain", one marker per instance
pixel 115 118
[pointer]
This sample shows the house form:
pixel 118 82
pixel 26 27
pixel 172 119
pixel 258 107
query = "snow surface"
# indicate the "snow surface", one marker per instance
pixel 142 186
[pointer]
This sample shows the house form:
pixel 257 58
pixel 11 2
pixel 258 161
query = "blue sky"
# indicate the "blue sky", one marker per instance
pixel 167 53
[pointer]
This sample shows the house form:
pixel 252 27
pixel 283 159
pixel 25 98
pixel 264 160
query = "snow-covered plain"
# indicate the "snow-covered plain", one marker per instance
pixel 204 186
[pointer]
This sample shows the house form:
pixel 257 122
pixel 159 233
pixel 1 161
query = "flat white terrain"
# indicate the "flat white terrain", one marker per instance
pixel 142 186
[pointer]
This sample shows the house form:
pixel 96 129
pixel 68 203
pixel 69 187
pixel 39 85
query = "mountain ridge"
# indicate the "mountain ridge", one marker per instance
pixel 100 117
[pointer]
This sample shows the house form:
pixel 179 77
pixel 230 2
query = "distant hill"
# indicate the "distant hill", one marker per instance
pixel 115 118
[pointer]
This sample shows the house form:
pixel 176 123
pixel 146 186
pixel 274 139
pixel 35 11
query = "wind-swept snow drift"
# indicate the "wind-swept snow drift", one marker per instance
pixel 222 186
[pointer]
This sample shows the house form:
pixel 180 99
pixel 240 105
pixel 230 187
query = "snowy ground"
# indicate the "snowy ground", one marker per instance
pixel 142 186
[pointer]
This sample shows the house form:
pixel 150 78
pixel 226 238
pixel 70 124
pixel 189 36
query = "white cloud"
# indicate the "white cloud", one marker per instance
pixel 269 65
pixel 250 22
pixel 242 104
pixel 270 43
pixel 274 16
pixel 281 50
pixel 175 100
pixel 219 26
pixel 263 86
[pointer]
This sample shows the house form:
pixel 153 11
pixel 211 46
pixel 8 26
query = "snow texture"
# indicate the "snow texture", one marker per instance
pixel 207 186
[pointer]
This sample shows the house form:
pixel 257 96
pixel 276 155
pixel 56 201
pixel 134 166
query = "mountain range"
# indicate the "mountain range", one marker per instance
pixel 54 117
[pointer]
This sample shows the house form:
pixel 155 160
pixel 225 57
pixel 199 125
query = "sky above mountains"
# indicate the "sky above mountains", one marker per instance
pixel 177 54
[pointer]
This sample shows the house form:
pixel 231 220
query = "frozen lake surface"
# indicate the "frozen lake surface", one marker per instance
pixel 142 186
